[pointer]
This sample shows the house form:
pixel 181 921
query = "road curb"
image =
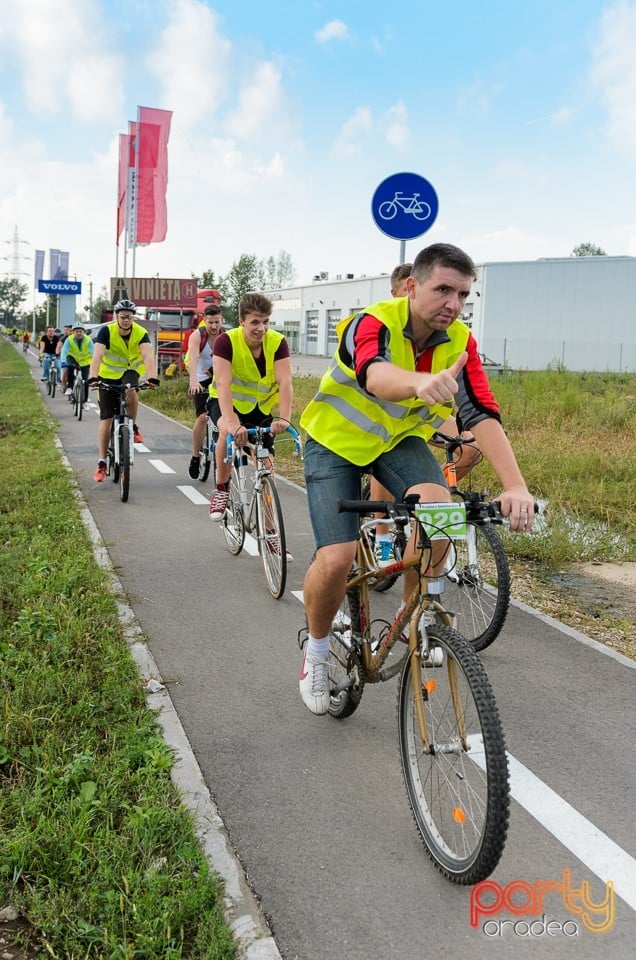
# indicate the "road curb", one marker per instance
pixel 251 933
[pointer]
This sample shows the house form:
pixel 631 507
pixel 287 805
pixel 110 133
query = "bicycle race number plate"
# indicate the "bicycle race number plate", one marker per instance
pixel 443 520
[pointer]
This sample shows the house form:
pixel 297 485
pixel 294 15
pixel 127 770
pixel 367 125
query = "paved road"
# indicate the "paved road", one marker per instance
pixel 315 808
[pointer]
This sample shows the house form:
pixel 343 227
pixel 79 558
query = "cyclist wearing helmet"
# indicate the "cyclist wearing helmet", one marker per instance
pixel 122 349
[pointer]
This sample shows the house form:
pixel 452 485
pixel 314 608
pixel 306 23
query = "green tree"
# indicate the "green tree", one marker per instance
pixel 244 275
pixel 278 271
pixel 588 250
pixel 208 281
pixel 12 294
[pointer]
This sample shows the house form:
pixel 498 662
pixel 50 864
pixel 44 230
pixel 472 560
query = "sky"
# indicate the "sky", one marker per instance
pixel 288 115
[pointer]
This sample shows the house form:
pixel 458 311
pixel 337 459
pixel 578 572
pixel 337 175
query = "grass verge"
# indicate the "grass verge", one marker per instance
pixel 96 850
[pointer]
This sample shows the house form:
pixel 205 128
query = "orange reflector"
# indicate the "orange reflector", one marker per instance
pixel 430 686
pixel 458 815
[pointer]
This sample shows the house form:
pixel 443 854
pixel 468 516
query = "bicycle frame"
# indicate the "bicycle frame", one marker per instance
pixel 250 502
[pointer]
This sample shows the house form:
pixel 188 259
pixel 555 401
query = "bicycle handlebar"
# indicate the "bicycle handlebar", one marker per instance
pixel 477 511
pixel 253 434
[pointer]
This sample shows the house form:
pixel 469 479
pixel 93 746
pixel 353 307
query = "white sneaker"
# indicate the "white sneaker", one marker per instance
pixel 68 392
pixel 314 684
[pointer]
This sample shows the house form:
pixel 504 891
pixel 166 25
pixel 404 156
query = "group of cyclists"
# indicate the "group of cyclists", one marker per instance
pixel 400 367
pixel 70 350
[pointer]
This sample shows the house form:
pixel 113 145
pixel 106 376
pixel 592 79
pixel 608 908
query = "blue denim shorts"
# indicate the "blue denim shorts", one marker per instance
pixel 330 478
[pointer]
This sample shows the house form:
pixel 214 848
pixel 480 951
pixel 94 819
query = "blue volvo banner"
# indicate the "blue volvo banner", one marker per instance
pixel 59 286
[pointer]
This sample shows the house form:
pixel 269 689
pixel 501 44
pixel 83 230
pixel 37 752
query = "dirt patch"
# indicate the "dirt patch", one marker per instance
pixel 622 574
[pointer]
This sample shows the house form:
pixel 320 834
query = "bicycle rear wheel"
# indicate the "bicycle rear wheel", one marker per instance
pixel 124 462
pixel 272 543
pixel 477 588
pixel 458 791
pixel 233 522
pixel 206 456
pixel 78 398
pixel 344 662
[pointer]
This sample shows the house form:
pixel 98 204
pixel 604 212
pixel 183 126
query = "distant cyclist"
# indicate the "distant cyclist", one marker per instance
pixel 77 353
pixel 122 352
pixel 50 347
pixel 26 340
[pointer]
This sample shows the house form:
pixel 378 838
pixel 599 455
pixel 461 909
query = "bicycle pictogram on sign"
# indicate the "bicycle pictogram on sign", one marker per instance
pixel 404 206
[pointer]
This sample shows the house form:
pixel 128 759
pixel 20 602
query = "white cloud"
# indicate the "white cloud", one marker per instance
pixel 395 122
pixel 261 109
pixel 352 130
pixel 509 168
pixel 613 72
pixel 195 83
pixel 334 30
pixel 60 61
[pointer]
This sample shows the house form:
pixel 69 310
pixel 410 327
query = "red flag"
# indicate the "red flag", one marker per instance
pixel 126 160
pixel 153 129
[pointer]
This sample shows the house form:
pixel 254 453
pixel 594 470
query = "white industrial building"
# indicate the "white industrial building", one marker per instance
pixel 574 311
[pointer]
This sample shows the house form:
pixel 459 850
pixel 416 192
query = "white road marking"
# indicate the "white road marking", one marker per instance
pixel 194 495
pixel 142 448
pixel 593 847
pixel 159 465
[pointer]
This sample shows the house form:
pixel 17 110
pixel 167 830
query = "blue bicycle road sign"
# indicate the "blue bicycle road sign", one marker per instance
pixel 404 206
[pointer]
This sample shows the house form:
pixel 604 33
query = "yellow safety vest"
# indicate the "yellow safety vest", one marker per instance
pixel 249 389
pixel 347 420
pixel 122 355
pixel 79 350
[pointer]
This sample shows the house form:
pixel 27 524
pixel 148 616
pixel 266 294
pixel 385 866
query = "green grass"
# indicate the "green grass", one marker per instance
pixel 96 849
pixel 573 435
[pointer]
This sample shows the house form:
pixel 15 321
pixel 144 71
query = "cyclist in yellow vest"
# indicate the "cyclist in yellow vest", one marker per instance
pixel 251 374
pixel 465 458
pixel 398 367
pixel 122 349
pixel 77 353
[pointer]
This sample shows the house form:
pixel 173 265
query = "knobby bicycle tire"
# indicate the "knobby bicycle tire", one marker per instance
pixel 343 657
pixel 233 522
pixel 459 798
pixel 124 462
pixel 272 543
pixel 479 594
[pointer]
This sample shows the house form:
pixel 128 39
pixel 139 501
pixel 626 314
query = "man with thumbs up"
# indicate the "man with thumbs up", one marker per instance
pixel 398 368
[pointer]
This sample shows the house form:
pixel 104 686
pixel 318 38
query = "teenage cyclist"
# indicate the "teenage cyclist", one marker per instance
pixel 122 351
pixel 200 369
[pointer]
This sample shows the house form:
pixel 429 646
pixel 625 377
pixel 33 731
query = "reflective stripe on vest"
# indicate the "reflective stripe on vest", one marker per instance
pixel 249 389
pixel 122 355
pixel 79 350
pixel 347 420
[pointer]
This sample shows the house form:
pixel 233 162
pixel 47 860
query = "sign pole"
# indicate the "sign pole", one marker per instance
pixel 402 252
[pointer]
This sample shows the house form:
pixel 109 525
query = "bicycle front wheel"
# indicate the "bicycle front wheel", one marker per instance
pixel 124 462
pixel 233 522
pixel 478 585
pixel 272 544
pixel 457 788
pixel 78 406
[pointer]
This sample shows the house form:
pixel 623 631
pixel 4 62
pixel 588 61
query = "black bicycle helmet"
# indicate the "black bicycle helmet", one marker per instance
pixel 124 305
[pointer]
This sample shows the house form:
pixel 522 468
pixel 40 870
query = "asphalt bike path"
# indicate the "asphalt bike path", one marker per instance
pixel 316 808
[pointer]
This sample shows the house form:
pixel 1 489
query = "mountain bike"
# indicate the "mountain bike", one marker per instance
pixel 254 505
pixel 120 455
pixel 452 749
